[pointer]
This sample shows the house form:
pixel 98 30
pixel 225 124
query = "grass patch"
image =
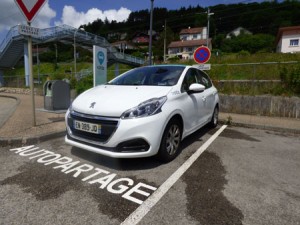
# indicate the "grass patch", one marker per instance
pixel 223 68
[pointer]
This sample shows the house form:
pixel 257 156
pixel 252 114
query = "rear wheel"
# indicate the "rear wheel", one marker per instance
pixel 170 143
pixel 215 118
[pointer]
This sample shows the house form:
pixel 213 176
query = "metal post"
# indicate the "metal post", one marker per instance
pixel 75 53
pixel 26 64
pixel 75 56
pixel 150 40
pixel 55 55
pixel 207 35
pixel 165 41
pixel 38 62
pixel 207 30
pixel 1 79
pixel 31 78
pixel 117 69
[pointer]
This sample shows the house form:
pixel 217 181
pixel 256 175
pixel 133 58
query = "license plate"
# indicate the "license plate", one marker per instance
pixel 87 127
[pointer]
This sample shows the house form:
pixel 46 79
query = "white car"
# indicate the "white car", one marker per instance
pixel 144 112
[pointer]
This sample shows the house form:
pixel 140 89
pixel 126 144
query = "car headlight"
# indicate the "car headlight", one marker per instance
pixel 70 109
pixel 147 108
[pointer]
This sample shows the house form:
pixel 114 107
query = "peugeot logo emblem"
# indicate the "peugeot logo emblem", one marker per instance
pixel 92 105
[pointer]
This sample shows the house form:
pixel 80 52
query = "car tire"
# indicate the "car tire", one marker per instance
pixel 170 143
pixel 215 118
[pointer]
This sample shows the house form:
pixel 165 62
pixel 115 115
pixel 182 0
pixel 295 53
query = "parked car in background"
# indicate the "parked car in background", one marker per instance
pixel 144 112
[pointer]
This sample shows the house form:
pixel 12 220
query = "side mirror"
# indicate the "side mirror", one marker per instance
pixel 196 88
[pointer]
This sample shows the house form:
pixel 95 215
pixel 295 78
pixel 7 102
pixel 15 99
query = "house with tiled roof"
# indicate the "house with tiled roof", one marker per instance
pixel 143 38
pixel 196 33
pixel 190 40
pixel 121 45
pixel 288 39
pixel 238 31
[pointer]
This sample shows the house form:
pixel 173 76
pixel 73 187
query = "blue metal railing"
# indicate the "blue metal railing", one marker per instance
pixel 65 31
pixel 11 33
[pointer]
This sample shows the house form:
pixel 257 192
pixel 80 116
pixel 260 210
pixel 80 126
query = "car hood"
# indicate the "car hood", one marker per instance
pixel 113 100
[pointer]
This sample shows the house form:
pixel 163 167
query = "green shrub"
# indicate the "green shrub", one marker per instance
pixel 291 79
pixel 73 83
pixel 173 59
pixel 84 84
pixel 244 53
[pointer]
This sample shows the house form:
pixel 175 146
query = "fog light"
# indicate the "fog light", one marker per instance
pixel 136 145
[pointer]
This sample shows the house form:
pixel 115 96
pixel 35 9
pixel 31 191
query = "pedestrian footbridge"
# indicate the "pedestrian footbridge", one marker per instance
pixel 12 47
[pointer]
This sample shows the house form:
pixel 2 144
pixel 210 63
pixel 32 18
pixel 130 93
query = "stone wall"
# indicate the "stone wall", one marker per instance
pixel 261 105
pixel 24 91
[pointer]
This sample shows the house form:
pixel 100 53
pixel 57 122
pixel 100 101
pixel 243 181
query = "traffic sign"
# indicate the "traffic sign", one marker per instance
pixel 202 54
pixel 30 8
pixel 203 66
pixel 28 30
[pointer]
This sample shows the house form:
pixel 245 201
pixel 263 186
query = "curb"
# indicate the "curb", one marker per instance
pixel 18 101
pixel 261 127
pixel 30 140
pixel 4 142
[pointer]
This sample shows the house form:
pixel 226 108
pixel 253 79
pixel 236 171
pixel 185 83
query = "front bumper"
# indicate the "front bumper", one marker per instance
pixel 129 138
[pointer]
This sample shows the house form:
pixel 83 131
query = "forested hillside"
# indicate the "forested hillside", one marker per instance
pixel 262 19
pixel 265 17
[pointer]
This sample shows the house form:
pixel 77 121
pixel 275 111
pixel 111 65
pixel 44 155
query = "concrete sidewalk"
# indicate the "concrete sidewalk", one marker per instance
pixel 18 127
pixel 16 121
pixel 280 124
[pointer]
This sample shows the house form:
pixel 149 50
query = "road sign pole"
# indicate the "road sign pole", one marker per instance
pixel 29 11
pixel 31 78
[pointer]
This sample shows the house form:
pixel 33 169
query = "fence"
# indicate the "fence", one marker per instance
pixel 18 81
pixel 250 71
pixel 255 78
pixel 244 79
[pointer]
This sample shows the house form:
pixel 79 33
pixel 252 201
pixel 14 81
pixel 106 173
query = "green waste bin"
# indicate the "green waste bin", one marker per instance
pixel 56 95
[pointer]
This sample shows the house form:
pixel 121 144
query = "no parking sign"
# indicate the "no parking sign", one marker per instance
pixel 202 54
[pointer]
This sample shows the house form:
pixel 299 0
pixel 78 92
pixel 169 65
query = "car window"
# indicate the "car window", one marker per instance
pixel 191 77
pixel 152 75
pixel 204 79
pixel 135 79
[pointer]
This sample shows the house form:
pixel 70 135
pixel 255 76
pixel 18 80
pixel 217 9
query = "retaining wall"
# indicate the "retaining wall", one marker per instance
pixel 261 105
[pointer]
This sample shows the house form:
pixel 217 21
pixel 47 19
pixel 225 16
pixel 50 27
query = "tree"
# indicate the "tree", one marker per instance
pixel 248 42
pixel 158 50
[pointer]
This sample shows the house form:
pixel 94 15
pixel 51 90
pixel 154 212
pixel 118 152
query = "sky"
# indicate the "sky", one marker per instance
pixel 76 13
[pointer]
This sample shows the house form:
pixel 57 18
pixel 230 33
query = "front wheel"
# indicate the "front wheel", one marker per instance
pixel 215 118
pixel 170 143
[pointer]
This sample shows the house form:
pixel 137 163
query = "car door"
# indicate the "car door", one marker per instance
pixel 193 103
pixel 208 95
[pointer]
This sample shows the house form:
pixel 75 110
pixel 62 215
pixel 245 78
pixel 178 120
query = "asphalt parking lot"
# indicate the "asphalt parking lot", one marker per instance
pixel 246 176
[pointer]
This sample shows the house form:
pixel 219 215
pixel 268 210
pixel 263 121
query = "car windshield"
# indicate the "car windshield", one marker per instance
pixel 151 75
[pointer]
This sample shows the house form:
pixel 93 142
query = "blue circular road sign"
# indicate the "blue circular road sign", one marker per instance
pixel 202 54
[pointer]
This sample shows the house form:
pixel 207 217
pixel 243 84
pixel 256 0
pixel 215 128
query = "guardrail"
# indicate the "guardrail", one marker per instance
pixel 89 37
pixel 11 33
pixel 65 31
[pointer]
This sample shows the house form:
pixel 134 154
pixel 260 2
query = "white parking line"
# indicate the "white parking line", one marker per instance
pixel 143 209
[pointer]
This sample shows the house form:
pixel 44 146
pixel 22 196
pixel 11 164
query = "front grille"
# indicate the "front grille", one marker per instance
pixel 108 127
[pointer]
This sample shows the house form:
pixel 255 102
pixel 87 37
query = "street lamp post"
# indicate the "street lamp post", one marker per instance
pixel 207 35
pixel 165 40
pixel 150 41
pixel 75 69
pixel 38 62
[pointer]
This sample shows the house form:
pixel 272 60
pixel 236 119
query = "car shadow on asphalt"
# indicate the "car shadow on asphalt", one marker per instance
pixel 139 163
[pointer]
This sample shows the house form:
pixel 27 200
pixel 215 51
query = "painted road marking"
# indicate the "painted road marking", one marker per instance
pixel 143 209
pixel 125 187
